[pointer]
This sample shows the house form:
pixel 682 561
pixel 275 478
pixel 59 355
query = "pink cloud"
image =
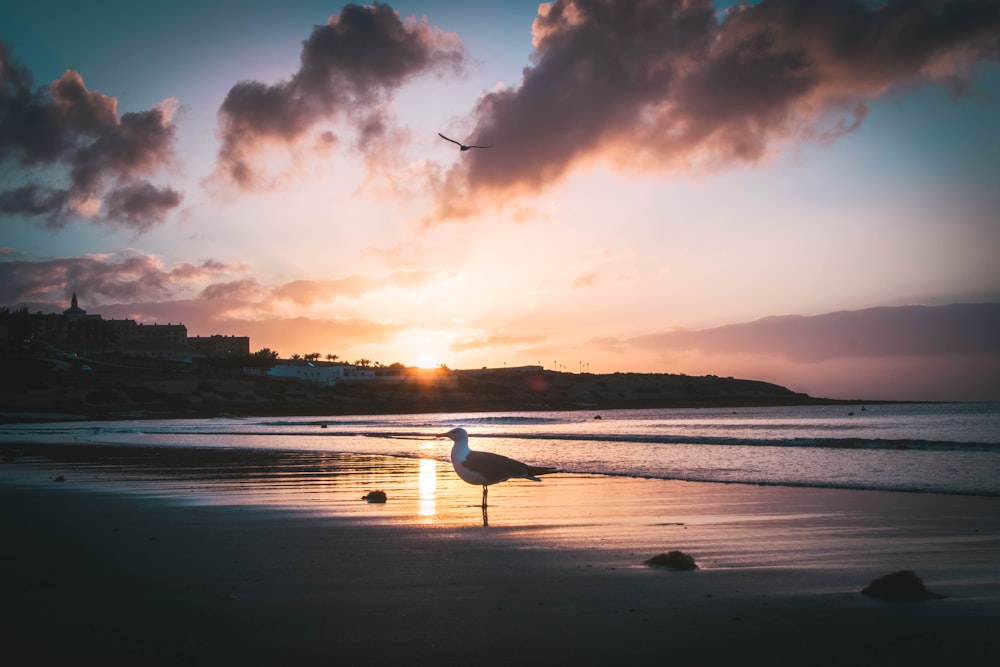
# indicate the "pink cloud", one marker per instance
pixel 508 340
pixel 655 85
pixel 307 292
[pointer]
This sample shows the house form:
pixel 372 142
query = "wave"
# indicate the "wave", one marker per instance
pixel 504 420
pixel 411 420
pixel 861 484
pixel 331 431
pixel 810 484
pixel 811 442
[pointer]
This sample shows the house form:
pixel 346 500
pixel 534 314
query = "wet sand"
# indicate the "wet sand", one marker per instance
pixel 217 558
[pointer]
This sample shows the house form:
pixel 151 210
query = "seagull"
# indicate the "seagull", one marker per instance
pixel 485 467
pixel 461 146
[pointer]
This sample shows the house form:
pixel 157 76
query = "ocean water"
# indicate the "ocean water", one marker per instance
pixel 934 448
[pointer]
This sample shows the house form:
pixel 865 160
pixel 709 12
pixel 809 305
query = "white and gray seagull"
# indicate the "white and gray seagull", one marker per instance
pixel 485 467
pixel 461 146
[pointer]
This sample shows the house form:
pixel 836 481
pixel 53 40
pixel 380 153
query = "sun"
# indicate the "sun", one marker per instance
pixel 427 360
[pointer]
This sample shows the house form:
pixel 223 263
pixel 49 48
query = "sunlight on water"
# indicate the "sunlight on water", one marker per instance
pixel 944 448
pixel 427 485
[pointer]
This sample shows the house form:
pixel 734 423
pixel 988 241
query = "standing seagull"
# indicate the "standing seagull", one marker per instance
pixel 460 144
pixel 485 467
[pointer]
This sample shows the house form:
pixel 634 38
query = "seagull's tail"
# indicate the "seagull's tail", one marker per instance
pixel 534 471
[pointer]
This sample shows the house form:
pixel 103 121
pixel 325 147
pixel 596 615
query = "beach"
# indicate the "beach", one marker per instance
pixel 155 562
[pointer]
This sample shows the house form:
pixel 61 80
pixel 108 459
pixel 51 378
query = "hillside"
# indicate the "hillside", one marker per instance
pixel 31 391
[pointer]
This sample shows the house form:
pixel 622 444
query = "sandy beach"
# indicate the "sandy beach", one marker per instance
pixel 188 558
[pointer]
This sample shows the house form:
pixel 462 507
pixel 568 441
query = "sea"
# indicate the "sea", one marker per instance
pixel 948 448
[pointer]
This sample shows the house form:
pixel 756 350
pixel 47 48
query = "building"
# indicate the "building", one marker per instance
pixel 159 341
pixel 305 371
pixel 219 346
pixel 75 312
pixel 76 331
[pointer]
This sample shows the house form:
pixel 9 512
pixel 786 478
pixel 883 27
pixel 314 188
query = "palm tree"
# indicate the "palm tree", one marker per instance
pixel 332 357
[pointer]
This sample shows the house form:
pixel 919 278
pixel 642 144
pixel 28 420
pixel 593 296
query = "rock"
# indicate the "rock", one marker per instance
pixel 902 586
pixel 375 497
pixel 60 478
pixel 675 560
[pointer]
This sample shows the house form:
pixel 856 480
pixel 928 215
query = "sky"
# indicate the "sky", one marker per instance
pixel 797 191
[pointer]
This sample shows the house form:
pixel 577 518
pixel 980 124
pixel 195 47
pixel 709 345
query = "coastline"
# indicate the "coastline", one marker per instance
pixel 40 395
pixel 126 564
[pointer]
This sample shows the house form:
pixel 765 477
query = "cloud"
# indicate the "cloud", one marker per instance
pixel 95 278
pixel 668 84
pixel 208 297
pixel 480 340
pixel 243 290
pixel 308 292
pixel 137 277
pixel 99 160
pixel 907 331
pixel 350 68
pixel 140 204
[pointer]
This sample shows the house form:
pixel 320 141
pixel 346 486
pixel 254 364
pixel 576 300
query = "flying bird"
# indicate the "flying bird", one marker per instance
pixel 485 467
pixel 461 146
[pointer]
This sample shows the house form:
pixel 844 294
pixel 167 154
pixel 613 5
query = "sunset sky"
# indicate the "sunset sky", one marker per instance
pixel 796 191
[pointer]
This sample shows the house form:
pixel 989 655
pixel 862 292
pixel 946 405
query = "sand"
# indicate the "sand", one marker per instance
pixel 218 558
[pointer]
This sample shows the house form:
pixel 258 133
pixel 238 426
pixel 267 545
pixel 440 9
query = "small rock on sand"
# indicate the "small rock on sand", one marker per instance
pixel 902 586
pixel 675 560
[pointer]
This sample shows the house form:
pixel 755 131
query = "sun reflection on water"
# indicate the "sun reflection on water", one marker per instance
pixel 427 487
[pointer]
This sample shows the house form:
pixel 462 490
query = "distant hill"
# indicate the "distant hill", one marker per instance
pixel 32 391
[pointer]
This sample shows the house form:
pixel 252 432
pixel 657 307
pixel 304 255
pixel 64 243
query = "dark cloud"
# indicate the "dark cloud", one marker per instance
pixel 908 331
pixel 97 153
pixel 662 84
pixel 349 69
pixel 99 278
pixel 244 289
pixel 139 205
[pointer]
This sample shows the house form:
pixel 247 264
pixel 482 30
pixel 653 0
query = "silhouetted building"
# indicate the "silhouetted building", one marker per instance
pixel 219 346
pixel 75 312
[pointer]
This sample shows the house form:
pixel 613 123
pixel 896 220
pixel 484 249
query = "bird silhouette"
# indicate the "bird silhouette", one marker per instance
pixel 485 467
pixel 461 146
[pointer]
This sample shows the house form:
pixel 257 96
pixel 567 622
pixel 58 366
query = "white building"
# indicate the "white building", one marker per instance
pixel 306 371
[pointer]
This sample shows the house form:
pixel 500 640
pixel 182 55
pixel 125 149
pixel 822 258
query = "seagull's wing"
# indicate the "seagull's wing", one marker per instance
pixel 451 140
pixel 496 468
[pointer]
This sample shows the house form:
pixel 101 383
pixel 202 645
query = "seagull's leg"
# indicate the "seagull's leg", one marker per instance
pixel 485 491
pixel 486 517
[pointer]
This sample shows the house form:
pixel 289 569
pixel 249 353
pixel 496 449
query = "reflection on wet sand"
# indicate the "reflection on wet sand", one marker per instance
pixel 316 482
pixel 427 484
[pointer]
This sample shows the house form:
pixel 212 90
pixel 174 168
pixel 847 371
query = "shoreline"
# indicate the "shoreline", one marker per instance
pixel 35 416
pixel 128 564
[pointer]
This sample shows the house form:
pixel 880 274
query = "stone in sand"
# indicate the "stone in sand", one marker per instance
pixel 374 497
pixel 902 586
pixel 675 560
